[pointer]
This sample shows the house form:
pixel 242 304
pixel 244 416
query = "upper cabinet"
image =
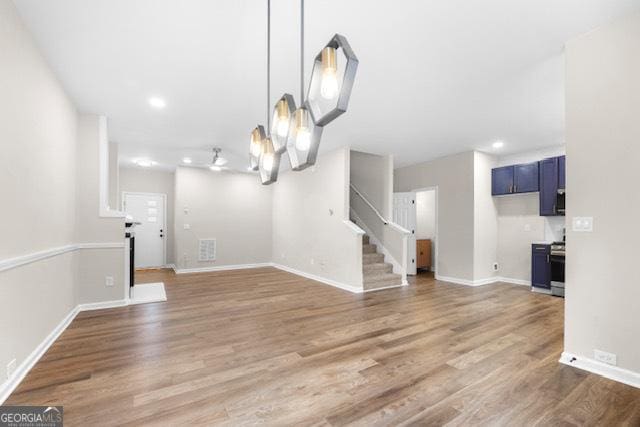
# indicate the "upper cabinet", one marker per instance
pixel 548 186
pixel 561 172
pixel 514 179
pixel 502 180
pixel 526 178
pixel 546 176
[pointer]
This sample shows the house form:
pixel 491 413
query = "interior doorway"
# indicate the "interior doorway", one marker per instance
pixel 426 229
pixel 149 211
pixel 417 211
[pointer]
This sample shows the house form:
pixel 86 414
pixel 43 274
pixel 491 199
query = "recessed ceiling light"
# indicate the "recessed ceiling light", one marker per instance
pixel 215 168
pixel 145 163
pixel 156 102
pixel 498 144
pixel 186 160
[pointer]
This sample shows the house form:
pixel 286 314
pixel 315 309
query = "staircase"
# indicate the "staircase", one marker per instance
pixel 376 273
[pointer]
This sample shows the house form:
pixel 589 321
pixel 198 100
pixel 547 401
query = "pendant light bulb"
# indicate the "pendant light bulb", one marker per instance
pixel 303 135
pixel 282 118
pixel 329 84
pixel 256 143
pixel 267 155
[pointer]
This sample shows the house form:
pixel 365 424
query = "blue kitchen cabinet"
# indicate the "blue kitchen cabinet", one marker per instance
pixel 502 180
pixel 548 186
pixel 561 172
pixel 526 178
pixel 541 266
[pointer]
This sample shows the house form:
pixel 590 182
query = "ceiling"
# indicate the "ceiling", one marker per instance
pixel 436 76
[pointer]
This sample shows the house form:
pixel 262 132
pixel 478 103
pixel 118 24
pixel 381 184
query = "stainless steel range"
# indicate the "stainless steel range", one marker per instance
pixel 557 257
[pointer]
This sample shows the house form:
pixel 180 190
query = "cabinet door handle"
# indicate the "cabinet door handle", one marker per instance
pixel 548 259
pixel 554 208
pixel 515 188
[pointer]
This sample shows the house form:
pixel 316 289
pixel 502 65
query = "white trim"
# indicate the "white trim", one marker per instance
pixel 353 227
pixel 514 281
pixel 164 219
pixel 221 268
pixel 23 369
pixel 324 280
pixel 7 387
pixel 10 263
pixel 386 287
pixel 102 305
pixel 105 245
pixel 614 373
pixel 482 282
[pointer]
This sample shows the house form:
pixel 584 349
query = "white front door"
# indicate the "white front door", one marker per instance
pixel 149 211
pixel 404 214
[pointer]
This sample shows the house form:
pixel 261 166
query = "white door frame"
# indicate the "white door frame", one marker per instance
pixel 435 251
pixel 164 217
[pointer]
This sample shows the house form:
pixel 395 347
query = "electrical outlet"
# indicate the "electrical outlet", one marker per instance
pixel 11 369
pixel 312 261
pixel 186 226
pixel 604 357
pixel 527 227
pixel 495 266
pixel 108 281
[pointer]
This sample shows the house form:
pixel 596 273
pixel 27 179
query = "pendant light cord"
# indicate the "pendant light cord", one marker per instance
pixel 301 52
pixel 268 65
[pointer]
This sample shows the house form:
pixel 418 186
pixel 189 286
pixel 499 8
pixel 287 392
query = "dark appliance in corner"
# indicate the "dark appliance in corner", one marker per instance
pixel 556 259
pixel 131 235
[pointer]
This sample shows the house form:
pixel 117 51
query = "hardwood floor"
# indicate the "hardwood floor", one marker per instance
pixel 265 346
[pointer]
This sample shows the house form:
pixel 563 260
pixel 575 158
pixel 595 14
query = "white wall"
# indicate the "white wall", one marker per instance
pixel 140 180
pixel 372 175
pixel 311 233
pixel 49 175
pixel 454 177
pixel 233 208
pixel 485 228
pixel 37 172
pixel 602 303
pixel 94 265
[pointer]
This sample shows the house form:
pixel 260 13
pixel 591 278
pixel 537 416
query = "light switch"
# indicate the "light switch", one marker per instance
pixel 187 226
pixel 582 223
pixel 186 210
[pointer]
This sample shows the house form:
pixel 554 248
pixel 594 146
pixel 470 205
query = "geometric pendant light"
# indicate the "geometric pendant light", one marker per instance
pixel 280 123
pixel 334 71
pixel 255 146
pixel 298 131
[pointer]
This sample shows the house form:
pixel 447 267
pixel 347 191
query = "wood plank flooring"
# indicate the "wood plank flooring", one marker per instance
pixel 264 346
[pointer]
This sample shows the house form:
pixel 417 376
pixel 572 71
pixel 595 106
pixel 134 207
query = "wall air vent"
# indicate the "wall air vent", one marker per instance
pixel 207 250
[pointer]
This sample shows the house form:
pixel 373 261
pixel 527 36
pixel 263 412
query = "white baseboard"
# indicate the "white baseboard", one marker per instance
pixel 324 280
pixel 221 268
pixel 23 369
pixel 102 305
pixel 513 281
pixel 614 373
pixel 481 282
pixel 386 287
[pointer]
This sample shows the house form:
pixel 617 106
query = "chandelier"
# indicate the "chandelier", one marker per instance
pixel 298 130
